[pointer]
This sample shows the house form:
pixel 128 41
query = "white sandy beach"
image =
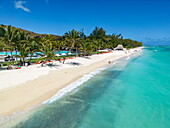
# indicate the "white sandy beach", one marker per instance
pixel 32 85
pixel 12 78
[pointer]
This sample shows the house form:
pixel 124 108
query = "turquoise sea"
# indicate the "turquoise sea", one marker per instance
pixel 133 93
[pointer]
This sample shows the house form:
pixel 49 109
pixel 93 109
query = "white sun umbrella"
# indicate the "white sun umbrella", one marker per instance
pixel 63 54
pixel 69 53
pixel 57 54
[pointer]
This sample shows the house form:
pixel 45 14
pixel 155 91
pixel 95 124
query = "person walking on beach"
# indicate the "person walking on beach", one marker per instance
pixel 109 62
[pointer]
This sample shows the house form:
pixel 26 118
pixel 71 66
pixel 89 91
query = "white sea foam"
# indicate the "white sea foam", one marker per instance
pixel 128 58
pixel 115 62
pixel 73 86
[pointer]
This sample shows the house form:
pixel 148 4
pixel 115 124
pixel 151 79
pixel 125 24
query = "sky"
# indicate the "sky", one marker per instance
pixel 141 20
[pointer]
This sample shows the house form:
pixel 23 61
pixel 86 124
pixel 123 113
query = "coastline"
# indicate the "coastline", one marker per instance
pixel 36 91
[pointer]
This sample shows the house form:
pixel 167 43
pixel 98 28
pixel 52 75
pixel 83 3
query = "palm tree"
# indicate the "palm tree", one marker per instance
pixel 72 37
pixel 24 46
pixel 60 44
pixel 9 37
pixel 33 45
pixel 21 36
pixel 1 45
pixel 97 33
pixel 86 47
pixel 47 45
pixel 24 50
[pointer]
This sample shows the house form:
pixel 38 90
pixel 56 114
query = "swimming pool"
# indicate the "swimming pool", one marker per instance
pixel 18 53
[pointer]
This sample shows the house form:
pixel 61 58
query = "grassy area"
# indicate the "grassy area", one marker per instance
pixel 6 63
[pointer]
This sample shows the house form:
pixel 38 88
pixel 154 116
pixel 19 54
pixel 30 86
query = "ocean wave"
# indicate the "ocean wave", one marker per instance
pixel 73 86
pixel 128 58
pixel 115 62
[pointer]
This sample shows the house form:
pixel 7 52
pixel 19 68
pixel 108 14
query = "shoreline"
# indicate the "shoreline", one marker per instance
pixel 38 90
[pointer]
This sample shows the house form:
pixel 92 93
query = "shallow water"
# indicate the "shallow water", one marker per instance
pixel 133 93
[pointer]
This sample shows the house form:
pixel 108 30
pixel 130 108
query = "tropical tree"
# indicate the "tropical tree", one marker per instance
pixel 97 33
pixel 86 47
pixel 24 50
pixel 47 46
pixel 60 44
pixel 9 36
pixel 1 45
pixel 33 46
pixel 23 46
pixel 72 38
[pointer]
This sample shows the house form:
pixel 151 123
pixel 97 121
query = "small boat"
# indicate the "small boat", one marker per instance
pixel 154 51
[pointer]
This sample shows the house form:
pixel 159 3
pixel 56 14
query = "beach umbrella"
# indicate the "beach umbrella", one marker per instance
pixel 57 54
pixel 119 47
pixel 63 54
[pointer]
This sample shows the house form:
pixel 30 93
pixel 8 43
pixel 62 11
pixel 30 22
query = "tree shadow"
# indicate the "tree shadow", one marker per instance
pixel 74 63
pixel 49 65
pixel 3 68
pixel 86 57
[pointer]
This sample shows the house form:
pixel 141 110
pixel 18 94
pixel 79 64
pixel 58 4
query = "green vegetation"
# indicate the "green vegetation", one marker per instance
pixel 18 40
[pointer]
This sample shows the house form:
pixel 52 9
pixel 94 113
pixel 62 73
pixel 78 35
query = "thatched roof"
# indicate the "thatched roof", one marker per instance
pixel 119 47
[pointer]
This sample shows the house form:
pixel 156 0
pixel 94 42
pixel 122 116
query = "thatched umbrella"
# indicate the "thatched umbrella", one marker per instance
pixel 119 47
